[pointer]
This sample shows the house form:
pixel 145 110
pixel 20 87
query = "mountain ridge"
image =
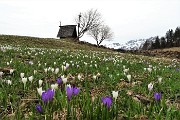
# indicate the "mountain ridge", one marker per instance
pixel 131 44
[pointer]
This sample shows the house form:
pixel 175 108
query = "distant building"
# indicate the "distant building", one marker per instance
pixel 67 31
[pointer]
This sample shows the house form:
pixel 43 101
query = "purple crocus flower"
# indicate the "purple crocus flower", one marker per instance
pixel 39 108
pixel 59 80
pixel 75 91
pixel 71 91
pixel 48 95
pixel 107 101
pixel 157 96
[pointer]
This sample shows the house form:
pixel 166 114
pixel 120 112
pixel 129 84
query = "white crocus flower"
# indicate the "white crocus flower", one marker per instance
pixel 107 68
pixel 64 80
pixel 129 77
pixel 22 75
pixel 11 71
pixel 160 79
pixel 95 65
pixel 67 65
pixel 35 71
pixel 9 82
pixel 24 80
pixel 94 77
pixel 52 69
pixel 85 63
pixel 149 70
pixel 30 79
pixel 79 77
pixel 56 71
pixel 150 86
pixel 98 74
pixel 45 70
pixel 49 68
pixel 115 94
pixel 40 91
pixel 1 74
pixel 7 63
pixel 62 77
pixel 31 62
pixel 63 68
pixel 54 86
pixel 40 83
pixel 68 85
pixel 126 70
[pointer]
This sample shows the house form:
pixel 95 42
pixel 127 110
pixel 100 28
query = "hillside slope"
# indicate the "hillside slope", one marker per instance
pixel 26 41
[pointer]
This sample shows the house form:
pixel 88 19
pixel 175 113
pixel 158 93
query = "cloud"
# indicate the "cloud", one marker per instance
pixel 129 19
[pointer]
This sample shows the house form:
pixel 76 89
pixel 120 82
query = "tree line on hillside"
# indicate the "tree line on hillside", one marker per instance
pixel 171 39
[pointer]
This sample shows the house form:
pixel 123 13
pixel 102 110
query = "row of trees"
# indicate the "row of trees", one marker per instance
pixel 171 39
pixel 92 23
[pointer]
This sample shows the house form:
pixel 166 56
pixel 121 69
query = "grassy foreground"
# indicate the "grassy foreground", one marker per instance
pixel 38 82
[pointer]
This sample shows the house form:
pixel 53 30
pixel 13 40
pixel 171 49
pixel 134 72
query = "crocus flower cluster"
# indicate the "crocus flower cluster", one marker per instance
pixel 71 91
pixel 47 95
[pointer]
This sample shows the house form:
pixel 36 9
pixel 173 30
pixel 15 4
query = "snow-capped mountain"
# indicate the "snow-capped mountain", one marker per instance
pixel 133 44
pixel 113 45
pixel 130 45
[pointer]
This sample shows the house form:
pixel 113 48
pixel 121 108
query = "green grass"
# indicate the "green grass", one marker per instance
pixel 25 41
pixel 134 101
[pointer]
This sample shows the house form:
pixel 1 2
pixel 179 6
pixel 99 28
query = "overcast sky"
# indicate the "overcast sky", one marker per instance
pixel 128 19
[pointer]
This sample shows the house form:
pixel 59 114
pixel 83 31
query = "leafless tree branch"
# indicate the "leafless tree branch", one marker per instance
pixel 88 21
pixel 101 33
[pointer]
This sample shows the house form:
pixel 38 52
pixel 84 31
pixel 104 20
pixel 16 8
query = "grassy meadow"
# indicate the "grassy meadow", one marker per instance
pixel 48 79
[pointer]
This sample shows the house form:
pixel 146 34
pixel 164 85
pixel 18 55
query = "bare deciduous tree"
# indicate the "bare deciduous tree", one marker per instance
pixel 101 33
pixel 87 21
